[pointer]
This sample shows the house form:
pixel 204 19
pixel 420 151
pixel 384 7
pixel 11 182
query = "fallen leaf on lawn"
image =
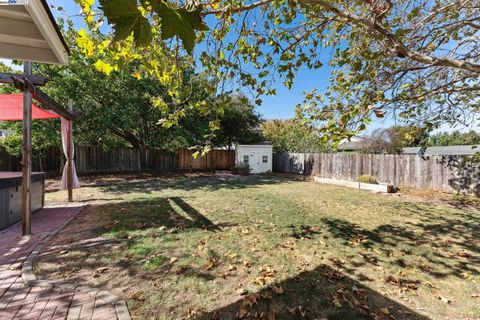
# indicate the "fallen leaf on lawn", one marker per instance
pixel 136 295
pixel 468 276
pixel 303 313
pixel 242 312
pixel 292 310
pixel 242 291
pixel 411 286
pixel 431 285
pixel 173 259
pixel 385 311
pixel 336 302
pixel 247 264
pixel 102 269
pixel 231 268
pixel 210 264
pixel 465 254
pixel 277 290
pixel 260 281
pixel 251 300
pixel 444 300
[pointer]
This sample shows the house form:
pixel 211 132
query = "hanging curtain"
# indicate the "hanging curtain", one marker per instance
pixel 67 134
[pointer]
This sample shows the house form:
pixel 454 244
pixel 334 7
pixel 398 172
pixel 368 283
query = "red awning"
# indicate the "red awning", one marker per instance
pixel 11 108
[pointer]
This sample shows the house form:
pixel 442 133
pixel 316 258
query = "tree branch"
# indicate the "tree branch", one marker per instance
pixel 397 45
pixel 237 9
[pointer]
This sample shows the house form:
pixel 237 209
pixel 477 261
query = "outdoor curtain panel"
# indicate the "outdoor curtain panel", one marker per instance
pixel 67 134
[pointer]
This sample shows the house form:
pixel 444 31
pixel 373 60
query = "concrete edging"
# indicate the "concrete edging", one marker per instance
pixel 356 185
pixel 31 279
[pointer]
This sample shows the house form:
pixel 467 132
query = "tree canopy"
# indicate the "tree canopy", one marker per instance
pixel 412 59
pixel 454 138
pixel 392 140
pixel 292 136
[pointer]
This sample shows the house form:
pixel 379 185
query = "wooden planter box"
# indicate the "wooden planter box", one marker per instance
pixel 357 185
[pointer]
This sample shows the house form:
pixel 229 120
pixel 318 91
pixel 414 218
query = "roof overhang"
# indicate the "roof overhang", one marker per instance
pixel 29 32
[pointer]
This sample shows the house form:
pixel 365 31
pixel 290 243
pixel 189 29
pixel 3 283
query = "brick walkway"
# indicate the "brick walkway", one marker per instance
pixel 23 296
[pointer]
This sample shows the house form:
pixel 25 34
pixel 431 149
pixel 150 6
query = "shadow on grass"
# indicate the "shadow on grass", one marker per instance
pixel 169 213
pixel 209 183
pixel 322 293
pixel 448 243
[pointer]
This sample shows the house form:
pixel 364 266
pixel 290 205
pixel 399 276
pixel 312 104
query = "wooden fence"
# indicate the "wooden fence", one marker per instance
pixel 50 161
pixel 94 159
pixel 214 160
pixel 442 173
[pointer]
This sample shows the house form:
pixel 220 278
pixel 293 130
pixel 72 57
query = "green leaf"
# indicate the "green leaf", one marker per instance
pixel 180 22
pixel 127 19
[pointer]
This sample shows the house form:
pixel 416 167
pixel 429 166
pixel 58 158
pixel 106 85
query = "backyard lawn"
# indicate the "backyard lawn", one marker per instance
pixel 268 247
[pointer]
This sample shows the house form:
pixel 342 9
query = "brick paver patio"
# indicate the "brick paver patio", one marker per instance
pixel 23 296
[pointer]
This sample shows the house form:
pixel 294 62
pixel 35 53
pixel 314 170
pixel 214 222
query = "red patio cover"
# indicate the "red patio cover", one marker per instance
pixel 11 108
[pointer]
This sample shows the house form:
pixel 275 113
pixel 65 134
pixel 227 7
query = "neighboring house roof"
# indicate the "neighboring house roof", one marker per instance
pixel 355 143
pixel 445 151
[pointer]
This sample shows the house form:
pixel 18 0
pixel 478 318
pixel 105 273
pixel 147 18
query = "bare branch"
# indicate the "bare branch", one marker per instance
pixel 396 44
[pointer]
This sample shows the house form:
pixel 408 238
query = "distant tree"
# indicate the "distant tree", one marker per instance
pixel 392 140
pixel 239 123
pixel 292 136
pixel 455 138
pixel 6 88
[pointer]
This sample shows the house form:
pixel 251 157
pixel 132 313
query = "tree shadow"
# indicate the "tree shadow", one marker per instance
pixel 208 183
pixel 169 213
pixel 322 293
pixel 466 173
pixel 449 243
pixel 198 219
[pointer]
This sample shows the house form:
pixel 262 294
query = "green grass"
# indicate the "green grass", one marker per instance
pixel 186 247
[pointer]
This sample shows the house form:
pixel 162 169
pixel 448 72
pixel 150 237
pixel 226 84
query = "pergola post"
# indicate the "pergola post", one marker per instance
pixel 69 152
pixel 27 154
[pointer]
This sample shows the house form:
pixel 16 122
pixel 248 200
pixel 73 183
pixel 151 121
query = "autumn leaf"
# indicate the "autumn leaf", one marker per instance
pixel 336 302
pixel 179 22
pixel 242 291
pixel 126 18
pixel 277 289
pixel 210 264
pixel 385 311
pixel 443 299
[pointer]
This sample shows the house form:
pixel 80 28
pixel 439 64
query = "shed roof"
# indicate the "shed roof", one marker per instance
pixel 29 32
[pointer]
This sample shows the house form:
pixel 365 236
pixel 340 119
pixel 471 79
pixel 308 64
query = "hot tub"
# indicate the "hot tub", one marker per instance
pixel 11 196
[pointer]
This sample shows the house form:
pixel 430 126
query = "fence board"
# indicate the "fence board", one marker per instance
pixel 442 173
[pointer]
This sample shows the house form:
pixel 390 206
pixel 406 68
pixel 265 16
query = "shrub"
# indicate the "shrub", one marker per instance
pixel 367 179
pixel 242 169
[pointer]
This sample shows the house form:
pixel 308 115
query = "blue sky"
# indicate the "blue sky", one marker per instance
pixel 281 106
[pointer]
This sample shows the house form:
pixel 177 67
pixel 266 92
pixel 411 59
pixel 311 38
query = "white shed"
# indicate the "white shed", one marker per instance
pixel 258 156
